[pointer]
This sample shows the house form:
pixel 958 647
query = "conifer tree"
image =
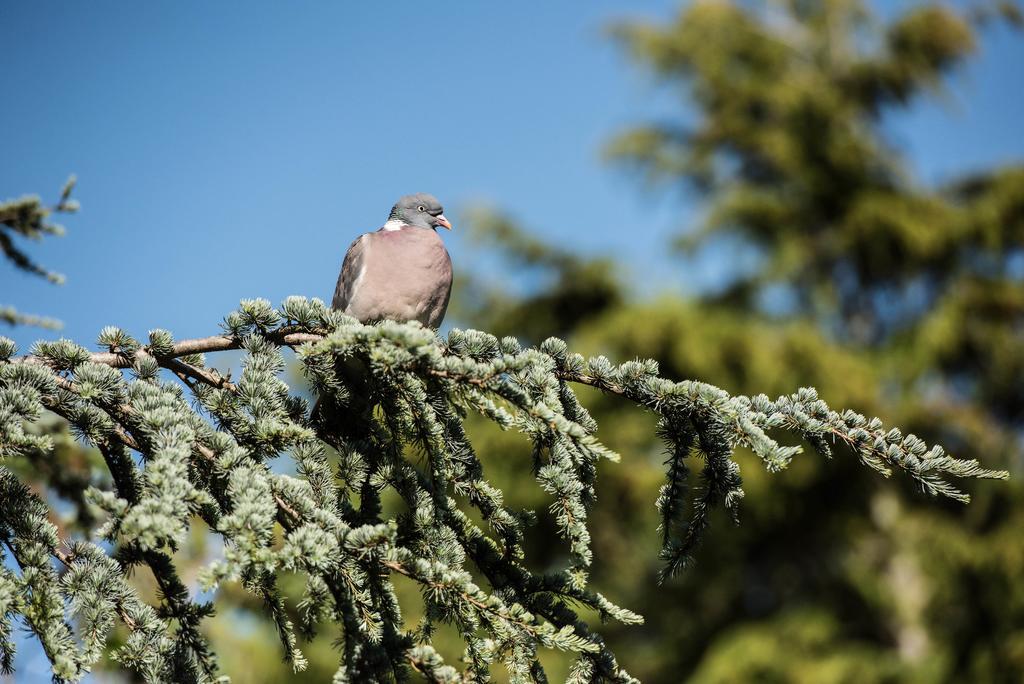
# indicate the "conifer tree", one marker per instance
pixel 184 443
pixel 894 601
pixel 830 577
pixel 789 148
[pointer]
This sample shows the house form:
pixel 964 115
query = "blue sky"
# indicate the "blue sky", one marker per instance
pixel 225 152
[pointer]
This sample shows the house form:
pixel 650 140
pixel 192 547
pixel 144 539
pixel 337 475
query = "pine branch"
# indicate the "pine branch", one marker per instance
pixel 384 389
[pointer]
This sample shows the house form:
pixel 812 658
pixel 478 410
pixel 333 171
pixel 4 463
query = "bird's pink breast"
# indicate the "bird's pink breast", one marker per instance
pixel 407 276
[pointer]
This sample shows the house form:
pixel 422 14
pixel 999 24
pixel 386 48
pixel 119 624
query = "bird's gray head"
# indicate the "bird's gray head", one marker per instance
pixel 421 210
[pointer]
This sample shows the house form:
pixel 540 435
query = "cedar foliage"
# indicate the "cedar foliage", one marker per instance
pixel 183 443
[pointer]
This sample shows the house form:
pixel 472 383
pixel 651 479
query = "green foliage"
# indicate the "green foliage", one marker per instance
pixel 393 400
pixel 578 287
pixel 897 299
pixel 787 143
pixel 751 655
pixel 27 217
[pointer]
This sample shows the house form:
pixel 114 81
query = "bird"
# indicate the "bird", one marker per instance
pixel 402 271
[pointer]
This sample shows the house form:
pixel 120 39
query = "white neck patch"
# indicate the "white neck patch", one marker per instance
pixel 393 224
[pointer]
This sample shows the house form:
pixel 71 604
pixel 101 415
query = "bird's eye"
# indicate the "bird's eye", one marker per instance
pixel 421 208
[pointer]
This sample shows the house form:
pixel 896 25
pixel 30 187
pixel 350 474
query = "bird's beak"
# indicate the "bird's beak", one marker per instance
pixel 442 221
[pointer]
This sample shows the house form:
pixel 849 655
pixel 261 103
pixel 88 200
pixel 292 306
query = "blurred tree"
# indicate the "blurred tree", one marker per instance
pixel 574 289
pixel 789 149
pixel 887 295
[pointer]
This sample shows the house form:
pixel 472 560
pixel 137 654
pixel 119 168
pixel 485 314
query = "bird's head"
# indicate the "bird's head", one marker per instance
pixel 421 210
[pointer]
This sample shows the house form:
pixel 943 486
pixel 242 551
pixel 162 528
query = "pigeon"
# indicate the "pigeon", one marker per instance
pixel 401 272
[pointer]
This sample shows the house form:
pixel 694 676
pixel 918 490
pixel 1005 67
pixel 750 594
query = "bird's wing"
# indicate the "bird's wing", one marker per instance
pixel 351 270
